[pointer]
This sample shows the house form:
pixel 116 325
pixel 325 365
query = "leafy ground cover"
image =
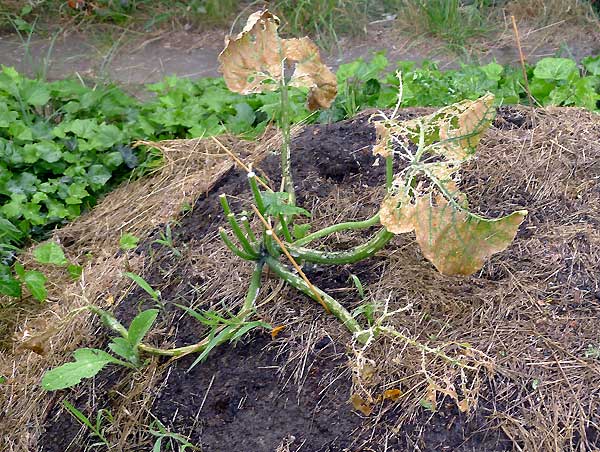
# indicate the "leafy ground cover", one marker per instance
pixel 64 144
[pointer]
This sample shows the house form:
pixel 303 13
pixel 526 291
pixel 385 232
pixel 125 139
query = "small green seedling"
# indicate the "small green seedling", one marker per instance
pixel 166 239
pixel 97 428
pixel 221 329
pixel 160 432
pixel 128 241
pixel 49 253
pixel 89 361
pixel 155 294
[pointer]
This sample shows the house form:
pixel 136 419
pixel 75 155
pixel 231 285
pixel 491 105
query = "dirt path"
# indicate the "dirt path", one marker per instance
pixel 132 59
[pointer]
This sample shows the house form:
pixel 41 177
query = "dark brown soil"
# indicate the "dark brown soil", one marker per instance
pixel 245 397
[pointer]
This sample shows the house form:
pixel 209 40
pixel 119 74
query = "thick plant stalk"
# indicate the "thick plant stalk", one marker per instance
pixel 350 256
pixel 354 225
pixel 247 308
pixel 271 234
pixel 389 171
pixel 286 169
pixel 333 305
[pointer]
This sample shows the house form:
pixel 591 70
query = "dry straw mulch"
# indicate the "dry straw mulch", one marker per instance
pixel 42 337
pixel 523 325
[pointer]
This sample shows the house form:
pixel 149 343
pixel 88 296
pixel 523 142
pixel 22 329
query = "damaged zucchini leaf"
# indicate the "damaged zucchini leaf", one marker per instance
pixel 254 61
pixel 424 197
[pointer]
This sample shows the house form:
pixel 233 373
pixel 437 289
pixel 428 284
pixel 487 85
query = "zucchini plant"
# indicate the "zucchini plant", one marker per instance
pixel 423 197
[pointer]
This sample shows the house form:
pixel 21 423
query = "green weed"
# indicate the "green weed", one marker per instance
pixel 97 428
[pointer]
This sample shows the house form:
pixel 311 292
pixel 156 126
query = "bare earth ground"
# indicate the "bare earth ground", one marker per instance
pixel 524 323
pixel 132 58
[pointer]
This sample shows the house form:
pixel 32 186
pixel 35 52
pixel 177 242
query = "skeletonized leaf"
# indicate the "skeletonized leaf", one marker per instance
pixel 397 213
pixel 457 243
pixel 253 62
pixel 382 141
pixel 457 128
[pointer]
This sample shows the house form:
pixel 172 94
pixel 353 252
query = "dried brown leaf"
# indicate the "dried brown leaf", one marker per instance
pixel 361 404
pixel 397 213
pixel 253 62
pixel 253 58
pixel 310 72
pixel 457 243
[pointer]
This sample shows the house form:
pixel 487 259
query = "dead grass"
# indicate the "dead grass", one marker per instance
pixel 546 12
pixel 522 325
pixel 191 168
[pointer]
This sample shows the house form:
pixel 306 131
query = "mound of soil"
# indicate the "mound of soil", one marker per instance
pixel 527 318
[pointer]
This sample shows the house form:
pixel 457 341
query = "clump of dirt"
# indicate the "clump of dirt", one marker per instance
pixel 521 326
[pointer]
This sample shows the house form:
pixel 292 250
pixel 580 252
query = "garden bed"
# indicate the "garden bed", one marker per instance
pixel 526 324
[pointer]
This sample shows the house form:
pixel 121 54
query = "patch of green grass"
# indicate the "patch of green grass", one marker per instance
pixel 450 20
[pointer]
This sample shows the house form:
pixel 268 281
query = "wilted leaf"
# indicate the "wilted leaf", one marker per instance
pixel 361 405
pixel 310 72
pixel 397 213
pixel 254 61
pixel 458 243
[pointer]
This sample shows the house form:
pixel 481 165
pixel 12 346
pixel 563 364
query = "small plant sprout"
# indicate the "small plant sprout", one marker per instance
pixel 166 239
pixel 96 428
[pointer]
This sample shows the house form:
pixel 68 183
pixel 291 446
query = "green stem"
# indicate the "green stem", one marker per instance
pixel 260 205
pixel 270 245
pixel 248 229
pixel 237 230
pixel 389 171
pixel 286 170
pixel 338 228
pixel 284 228
pixel 238 252
pixel 296 281
pixel 247 308
pixel 350 256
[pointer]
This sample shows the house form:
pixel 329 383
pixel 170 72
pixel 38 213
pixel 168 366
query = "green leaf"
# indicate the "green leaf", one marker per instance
pixel 140 325
pixel 35 93
pixel 358 285
pixel 112 160
pixel 276 203
pixel 121 347
pixel 128 241
pixel 493 71
pixel 98 175
pixel 555 69
pixel 592 64
pixel 88 362
pixel 74 271
pixel 300 230
pixel 8 284
pixel 35 281
pixel 78 414
pixel 247 327
pixel 144 285
pixel 50 253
